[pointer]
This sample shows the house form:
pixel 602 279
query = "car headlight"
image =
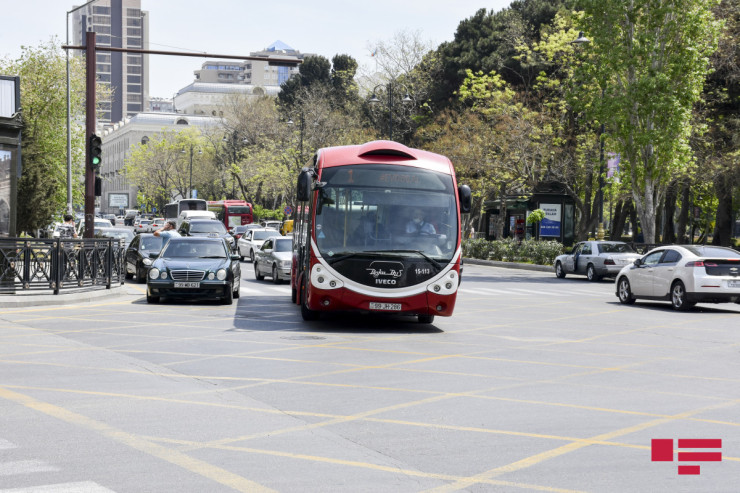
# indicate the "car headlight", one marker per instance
pixel 221 274
pixel 163 274
pixel 285 264
pixel 211 276
pixel 153 273
pixel 147 261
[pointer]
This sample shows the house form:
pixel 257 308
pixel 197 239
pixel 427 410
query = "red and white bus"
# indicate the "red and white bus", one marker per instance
pixel 377 229
pixel 231 212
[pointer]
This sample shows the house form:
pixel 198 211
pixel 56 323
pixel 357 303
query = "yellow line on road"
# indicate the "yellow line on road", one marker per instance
pixel 175 457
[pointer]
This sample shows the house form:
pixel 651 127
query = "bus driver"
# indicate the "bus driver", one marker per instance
pixel 418 226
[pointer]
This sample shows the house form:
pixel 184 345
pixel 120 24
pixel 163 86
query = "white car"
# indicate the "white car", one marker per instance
pixel 684 275
pixel 252 240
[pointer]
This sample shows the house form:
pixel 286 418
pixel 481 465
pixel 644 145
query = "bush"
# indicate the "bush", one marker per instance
pixel 511 250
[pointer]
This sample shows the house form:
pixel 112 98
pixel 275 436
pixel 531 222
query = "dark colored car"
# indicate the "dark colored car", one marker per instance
pixel 194 268
pixel 137 260
pixel 209 228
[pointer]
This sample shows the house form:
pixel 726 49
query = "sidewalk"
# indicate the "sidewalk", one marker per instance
pixel 27 298
pixel 509 265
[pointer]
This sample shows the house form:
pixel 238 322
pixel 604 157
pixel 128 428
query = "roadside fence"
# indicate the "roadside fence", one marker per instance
pixel 53 264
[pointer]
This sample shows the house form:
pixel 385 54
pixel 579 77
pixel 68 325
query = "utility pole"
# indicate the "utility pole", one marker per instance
pixel 90 123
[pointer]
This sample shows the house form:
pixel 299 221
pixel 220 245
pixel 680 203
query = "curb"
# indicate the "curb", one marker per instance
pixel 32 299
pixel 509 265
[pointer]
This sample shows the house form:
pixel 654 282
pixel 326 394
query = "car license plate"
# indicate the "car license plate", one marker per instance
pixel 733 284
pixel 385 306
pixel 187 284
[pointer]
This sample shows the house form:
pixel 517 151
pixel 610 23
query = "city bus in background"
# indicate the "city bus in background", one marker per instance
pixel 231 212
pixel 173 209
pixel 358 242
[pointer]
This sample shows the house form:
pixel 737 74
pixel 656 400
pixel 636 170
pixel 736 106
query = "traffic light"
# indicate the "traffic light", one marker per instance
pixel 96 152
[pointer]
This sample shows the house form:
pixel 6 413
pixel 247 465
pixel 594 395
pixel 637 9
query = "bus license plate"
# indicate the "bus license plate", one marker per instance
pixel 733 284
pixel 385 306
pixel 187 285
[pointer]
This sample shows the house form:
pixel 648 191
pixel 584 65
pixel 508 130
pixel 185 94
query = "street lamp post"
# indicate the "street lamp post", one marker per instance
pixel 290 122
pixel 600 231
pixel 190 183
pixel 389 90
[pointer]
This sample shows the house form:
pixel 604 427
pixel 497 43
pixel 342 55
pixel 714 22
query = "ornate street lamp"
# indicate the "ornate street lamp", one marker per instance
pixel 389 90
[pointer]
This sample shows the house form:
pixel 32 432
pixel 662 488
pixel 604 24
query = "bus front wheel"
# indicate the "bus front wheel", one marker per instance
pixel 307 314
pixel 426 319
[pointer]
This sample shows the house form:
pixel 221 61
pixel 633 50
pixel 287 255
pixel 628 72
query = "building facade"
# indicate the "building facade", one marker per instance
pixel 281 64
pixel 119 140
pixel 120 24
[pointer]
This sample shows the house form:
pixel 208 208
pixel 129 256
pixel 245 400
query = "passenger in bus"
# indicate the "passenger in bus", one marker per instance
pixel 371 231
pixel 417 225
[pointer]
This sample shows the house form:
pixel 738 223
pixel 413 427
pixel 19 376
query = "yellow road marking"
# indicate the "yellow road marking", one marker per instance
pixel 196 466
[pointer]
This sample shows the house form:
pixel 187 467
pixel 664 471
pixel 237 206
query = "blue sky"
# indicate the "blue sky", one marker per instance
pixel 237 27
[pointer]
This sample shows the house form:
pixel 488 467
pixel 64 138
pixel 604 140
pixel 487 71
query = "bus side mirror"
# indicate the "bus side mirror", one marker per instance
pixel 303 191
pixel 466 198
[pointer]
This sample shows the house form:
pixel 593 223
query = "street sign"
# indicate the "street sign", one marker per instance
pixel 288 210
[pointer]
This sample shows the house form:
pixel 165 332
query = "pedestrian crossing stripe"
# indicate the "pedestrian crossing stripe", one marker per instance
pixel 79 487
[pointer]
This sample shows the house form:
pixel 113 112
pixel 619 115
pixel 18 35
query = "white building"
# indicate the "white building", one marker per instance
pixel 117 193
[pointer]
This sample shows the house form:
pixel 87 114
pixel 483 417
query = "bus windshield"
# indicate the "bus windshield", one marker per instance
pixel 382 208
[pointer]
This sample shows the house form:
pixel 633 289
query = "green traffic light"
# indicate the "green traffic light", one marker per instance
pixel 96 160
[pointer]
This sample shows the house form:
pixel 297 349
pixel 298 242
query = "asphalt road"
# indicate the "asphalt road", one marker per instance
pixel 535 384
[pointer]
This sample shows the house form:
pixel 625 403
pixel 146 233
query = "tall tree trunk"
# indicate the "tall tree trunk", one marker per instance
pixel 683 216
pixel 724 223
pixel 669 208
pixel 621 213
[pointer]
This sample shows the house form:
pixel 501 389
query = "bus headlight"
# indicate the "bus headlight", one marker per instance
pixel 446 285
pixel 153 273
pixel 322 279
pixel 221 274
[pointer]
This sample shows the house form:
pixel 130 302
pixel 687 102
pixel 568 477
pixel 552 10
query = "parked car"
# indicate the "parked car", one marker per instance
pixel 274 259
pixel 252 241
pixel 196 268
pixel 137 259
pixel 684 275
pixel 595 259
pixel 124 234
pixel 142 226
pixel 209 228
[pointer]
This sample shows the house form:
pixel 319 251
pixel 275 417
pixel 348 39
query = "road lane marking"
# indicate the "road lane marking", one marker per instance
pixel 196 466
pixel 79 487
pixel 12 468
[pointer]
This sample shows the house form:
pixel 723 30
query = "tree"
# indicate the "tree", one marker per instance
pixel 649 59
pixel 42 188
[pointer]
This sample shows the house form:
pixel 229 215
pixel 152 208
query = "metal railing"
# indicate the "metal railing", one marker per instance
pixel 32 264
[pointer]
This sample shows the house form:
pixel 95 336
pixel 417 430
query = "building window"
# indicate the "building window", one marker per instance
pixel 133 22
pixel 133 79
pixel 103 67
pixel 133 98
pixel 102 40
pixel 133 12
pixel 99 19
pixel 101 10
pixel 133 88
pixel 134 107
pixel 102 29
pixel 134 31
pixel 102 57
pixel 133 59
pixel 104 77
pixel 133 69
pixel 134 41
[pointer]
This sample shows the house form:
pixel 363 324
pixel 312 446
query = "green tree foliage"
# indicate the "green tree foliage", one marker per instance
pixel 42 188
pixel 650 59
pixel 315 70
pixel 488 41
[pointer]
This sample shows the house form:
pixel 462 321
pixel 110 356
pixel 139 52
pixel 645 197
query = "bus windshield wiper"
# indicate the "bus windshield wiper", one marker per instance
pixel 427 257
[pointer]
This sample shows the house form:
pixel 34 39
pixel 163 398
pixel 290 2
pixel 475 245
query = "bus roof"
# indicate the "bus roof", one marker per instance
pixel 383 152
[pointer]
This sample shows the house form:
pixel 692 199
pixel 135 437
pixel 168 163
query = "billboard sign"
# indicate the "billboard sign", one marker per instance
pixel 118 200
pixel 550 225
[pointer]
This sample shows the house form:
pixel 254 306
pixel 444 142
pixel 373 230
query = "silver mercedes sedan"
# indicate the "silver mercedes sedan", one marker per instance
pixel 595 259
